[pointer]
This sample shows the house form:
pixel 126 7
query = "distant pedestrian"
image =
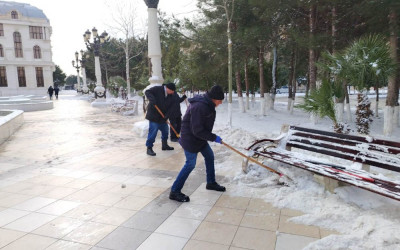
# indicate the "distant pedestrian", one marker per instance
pixel 56 90
pixel 197 125
pixel 176 116
pixel 50 91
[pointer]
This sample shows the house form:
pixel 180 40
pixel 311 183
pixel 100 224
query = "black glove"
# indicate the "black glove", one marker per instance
pixel 184 97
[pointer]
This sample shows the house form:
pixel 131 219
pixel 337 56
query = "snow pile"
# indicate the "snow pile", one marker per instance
pixel 141 128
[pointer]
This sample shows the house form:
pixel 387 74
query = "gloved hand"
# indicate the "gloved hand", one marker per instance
pixel 218 140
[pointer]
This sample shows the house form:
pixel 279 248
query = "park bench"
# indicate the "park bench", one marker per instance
pixel 315 150
pixel 130 106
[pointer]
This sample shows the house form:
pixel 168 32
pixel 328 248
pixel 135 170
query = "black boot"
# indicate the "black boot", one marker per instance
pixel 215 186
pixel 150 151
pixel 178 196
pixel 165 145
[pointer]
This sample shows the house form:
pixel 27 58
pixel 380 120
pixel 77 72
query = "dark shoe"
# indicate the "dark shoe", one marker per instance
pixel 174 139
pixel 178 196
pixel 165 145
pixel 150 152
pixel 215 186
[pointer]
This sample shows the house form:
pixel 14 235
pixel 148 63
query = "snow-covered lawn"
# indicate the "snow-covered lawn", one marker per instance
pixel 364 219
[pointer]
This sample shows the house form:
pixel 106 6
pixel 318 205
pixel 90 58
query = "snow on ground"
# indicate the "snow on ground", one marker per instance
pixel 364 220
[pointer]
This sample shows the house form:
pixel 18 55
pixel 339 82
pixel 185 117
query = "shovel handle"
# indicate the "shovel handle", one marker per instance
pixel 163 116
pixel 251 159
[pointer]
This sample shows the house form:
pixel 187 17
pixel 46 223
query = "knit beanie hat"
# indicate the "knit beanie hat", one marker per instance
pixel 216 93
pixel 170 86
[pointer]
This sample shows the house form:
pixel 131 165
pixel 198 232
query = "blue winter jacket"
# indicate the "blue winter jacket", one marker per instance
pixel 197 124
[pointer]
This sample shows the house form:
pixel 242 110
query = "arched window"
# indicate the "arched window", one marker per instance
pixel 36 52
pixel 17 44
pixel 14 14
pixel 1 51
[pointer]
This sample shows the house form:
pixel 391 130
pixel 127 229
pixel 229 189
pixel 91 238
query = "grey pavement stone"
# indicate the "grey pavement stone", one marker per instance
pixel 124 238
pixel 147 221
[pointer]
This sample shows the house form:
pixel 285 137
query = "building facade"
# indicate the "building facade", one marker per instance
pixel 26 66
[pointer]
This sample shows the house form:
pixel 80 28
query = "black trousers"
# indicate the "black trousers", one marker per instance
pixel 176 123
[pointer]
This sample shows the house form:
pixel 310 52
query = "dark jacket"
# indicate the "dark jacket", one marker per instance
pixel 156 96
pixel 56 90
pixel 197 124
pixel 50 90
pixel 176 105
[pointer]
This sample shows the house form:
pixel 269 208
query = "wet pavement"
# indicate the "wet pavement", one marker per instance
pixel 77 177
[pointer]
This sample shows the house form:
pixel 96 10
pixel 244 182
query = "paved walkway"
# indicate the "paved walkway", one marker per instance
pixel 61 187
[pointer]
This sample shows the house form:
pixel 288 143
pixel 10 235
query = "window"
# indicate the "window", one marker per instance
pixel 17 44
pixel 14 14
pixel 21 76
pixel 3 77
pixel 39 77
pixel 1 30
pixel 36 32
pixel 1 51
pixel 36 52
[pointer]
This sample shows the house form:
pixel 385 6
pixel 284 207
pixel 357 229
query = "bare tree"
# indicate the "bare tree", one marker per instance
pixel 125 24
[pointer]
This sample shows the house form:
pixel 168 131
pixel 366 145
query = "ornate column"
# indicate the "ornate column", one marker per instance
pixel 154 44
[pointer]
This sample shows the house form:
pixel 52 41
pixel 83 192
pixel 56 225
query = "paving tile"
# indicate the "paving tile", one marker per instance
pixel 146 221
pixel 128 189
pixel 327 232
pixel 147 191
pixel 30 222
pixel 34 204
pixel 114 216
pixel 81 196
pixel 16 187
pixel 9 215
pixel 176 226
pixel 204 198
pixel 36 190
pixel 59 207
pixel 89 233
pixel 59 192
pixel 107 199
pixel 124 238
pixel 58 227
pixel 139 180
pixel 101 186
pixel 250 238
pixel 259 205
pixel 233 202
pixel 225 215
pixel 85 211
pixel 161 241
pixel 133 202
pixel 260 221
pixel 162 205
pixel 65 245
pixel 286 226
pixel 79 183
pixel 293 242
pixel 31 242
pixel 290 212
pixel 215 233
pixel 12 200
pixel 192 211
pixel 8 236
pixel 201 245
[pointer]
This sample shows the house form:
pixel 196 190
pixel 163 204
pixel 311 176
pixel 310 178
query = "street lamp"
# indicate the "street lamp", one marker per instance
pixel 98 41
pixel 78 65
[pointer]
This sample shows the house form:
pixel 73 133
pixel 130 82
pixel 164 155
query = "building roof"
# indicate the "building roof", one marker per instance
pixel 23 9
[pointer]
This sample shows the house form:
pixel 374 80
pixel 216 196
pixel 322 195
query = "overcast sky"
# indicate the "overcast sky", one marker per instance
pixel 71 18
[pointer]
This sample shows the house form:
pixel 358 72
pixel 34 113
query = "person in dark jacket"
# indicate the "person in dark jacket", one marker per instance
pixel 56 90
pixel 50 91
pixel 176 116
pixel 162 97
pixel 196 131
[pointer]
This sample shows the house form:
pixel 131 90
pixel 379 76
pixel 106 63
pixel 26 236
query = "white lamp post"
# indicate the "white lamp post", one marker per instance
pixel 77 66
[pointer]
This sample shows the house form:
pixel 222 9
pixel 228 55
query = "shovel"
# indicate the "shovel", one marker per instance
pixel 162 115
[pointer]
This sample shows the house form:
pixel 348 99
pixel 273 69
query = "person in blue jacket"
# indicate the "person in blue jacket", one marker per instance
pixel 196 131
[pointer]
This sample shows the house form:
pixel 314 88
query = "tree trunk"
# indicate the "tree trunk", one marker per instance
pixel 262 80
pixel 290 82
pixel 274 70
pixel 294 82
pixel 229 75
pixel 128 78
pixel 348 110
pixel 239 92
pixel 312 57
pixel 246 80
pixel 376 100
pixel 392 86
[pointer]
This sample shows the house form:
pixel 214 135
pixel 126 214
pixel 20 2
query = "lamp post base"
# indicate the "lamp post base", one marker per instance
pixel 100 103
